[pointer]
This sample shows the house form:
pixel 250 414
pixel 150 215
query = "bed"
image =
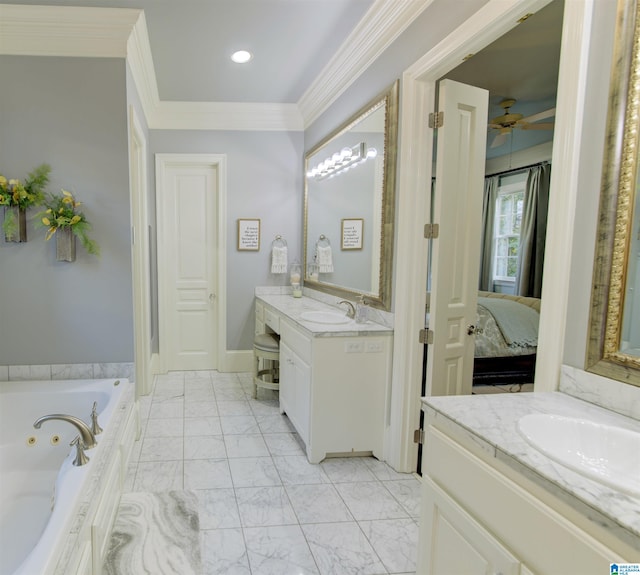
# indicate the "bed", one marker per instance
pixel 511 359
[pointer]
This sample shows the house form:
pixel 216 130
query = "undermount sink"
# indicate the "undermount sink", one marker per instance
pixel 319 316
pixel 605 453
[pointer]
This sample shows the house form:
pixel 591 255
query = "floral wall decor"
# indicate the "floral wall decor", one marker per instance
pixel 16 196
pixel 62 219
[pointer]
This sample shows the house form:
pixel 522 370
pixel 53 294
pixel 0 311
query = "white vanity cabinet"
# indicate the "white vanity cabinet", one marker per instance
pixel 334 385
pixel 479 515
pixel 334 390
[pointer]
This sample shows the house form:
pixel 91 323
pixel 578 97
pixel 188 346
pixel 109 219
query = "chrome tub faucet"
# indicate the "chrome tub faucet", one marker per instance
pixel 86 435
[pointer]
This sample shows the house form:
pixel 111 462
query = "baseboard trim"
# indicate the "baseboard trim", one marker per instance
pixel 235 361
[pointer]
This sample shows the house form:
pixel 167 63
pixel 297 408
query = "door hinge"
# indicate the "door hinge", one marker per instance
pixel 426 336
pixel 436 119
pixel 431 231
pixel 418 436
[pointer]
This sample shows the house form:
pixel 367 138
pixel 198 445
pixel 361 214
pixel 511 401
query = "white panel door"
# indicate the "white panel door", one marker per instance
pixel 457 208
pixel 188 235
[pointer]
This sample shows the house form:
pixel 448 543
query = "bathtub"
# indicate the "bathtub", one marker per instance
pixel 41 491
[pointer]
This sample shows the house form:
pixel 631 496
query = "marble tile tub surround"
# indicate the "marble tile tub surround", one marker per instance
pixel 491 422
pixel 608 393
pixel 263 508
pixel 67 371
pixel 282 301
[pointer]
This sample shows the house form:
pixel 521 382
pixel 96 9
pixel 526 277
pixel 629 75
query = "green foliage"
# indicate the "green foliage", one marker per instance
pixel 61 212
pixel 22 195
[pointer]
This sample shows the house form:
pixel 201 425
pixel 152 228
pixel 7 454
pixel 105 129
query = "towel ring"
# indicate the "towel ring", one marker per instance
pixel 279 242
pixel 323 241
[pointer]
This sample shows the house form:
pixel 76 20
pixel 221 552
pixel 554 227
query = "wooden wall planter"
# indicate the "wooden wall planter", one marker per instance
pixel 65 245
pixel 20 218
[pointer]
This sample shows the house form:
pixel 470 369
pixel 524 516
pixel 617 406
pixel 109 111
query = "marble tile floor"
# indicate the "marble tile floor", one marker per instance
pixel 263 508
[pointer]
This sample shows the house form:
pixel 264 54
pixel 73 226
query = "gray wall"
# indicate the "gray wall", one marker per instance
pixel 70 113
pixel 264 180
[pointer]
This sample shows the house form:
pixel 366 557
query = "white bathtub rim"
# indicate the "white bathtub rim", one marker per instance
pixel 50 548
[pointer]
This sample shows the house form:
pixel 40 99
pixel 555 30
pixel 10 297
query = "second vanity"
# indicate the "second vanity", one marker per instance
pixel 334 378
pixel 492 503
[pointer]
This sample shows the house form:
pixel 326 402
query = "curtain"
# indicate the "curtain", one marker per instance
pixel 488 217
pixel 533 231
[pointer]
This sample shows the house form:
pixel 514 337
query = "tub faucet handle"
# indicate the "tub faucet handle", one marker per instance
pixel 95 426
pixel 81 456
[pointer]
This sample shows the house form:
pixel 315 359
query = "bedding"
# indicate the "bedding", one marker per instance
pixel 510 359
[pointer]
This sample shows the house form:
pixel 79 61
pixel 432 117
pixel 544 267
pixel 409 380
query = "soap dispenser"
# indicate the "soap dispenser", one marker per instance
pixel 295 276
pixel 362 310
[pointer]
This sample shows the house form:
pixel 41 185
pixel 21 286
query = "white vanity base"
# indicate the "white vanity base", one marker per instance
pixel 334 386
pixel 488 504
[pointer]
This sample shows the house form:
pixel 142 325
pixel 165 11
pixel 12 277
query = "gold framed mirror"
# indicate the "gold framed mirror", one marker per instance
pixel 350 177
pixel 614 338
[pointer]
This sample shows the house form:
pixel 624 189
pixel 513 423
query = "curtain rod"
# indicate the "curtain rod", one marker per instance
pixel 513 170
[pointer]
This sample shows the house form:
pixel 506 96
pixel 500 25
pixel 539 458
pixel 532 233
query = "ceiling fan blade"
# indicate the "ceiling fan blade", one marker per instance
pixel 499 140
pixel 494 126
pixel 547 126
pixel 539 116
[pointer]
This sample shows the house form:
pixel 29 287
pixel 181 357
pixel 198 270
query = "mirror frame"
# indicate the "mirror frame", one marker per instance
pixel 383 298
pixel 617 197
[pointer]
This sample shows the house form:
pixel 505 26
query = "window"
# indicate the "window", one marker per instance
pixel 506 231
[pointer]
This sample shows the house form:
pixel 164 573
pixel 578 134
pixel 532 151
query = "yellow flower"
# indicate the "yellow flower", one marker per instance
pixel 67 200
pixel 3 181
pixel 68 194
pixel 49 211
pixel 75 219
pixel 46 221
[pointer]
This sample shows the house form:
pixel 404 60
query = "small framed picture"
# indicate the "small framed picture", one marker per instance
pixel 352 229
pixel 249 234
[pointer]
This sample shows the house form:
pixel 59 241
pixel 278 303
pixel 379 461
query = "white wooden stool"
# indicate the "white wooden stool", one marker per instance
pixel 266 355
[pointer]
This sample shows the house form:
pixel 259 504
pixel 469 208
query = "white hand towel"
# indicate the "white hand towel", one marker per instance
pixel 325 259
pixel 279 260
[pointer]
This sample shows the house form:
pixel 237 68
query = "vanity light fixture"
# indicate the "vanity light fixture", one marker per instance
pixel 241 56
pixel 342 161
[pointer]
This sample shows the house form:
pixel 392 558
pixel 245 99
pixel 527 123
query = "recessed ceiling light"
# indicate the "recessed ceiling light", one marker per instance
pixel 241 56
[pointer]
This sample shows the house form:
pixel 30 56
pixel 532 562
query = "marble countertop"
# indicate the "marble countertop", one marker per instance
pixel 491 421
pixel 292 308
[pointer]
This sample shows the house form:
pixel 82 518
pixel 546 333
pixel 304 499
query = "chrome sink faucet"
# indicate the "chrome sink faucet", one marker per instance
pixel 86 435
pixel 351 312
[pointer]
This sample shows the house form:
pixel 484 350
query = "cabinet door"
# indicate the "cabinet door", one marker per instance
pixel 302 398
pixel 295 390
pixel 287 380
pixel 455 542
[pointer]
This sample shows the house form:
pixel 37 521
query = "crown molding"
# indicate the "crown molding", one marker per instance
pixel 140 62
pixel 122 33
pixel 65 30
pixel 380 26
pixel 227 116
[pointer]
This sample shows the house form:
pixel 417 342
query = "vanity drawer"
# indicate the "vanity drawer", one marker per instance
pixel 259 311
pixel 299 343
pixel 272 319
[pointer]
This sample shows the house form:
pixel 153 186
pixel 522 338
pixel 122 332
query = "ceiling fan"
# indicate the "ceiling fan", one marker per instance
pixel 508 121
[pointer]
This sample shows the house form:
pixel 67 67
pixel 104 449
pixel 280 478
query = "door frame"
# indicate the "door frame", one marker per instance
pixel 218 161
pixel 138 182
pixel 415 169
